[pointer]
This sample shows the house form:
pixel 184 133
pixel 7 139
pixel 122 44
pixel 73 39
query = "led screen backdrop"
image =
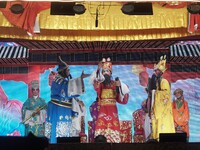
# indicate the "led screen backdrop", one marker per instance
pixel 13 94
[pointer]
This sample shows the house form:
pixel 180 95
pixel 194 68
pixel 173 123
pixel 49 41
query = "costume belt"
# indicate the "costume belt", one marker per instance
pixel 107 102
pixel 62 103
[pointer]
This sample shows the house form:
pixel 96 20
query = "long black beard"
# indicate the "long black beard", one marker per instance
pixel 107 80
pixel 153 82
pixel 158 76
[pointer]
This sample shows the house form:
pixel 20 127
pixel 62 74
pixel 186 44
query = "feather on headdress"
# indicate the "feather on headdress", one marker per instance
pixel 63 65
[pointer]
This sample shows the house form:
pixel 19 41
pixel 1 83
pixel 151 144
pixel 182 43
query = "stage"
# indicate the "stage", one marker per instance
pixel 124 146
pixel 35 143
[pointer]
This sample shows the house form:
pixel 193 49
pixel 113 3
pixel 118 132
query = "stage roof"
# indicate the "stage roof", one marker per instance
pixel 116 32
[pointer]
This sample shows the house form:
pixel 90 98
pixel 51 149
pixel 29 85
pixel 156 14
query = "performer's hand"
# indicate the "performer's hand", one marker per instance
pixel 117 82
pixel 37 113
pixel 51 76
pixel 165 101
pixel 81 103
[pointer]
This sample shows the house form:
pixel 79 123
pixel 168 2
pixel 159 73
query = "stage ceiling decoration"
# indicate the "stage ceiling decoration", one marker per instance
pixel 40 32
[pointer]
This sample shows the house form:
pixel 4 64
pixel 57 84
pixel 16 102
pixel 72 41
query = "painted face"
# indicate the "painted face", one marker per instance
pixel 158 72
pixel 178 95
pixel 35 92
pixel 106 71
pixel 67 72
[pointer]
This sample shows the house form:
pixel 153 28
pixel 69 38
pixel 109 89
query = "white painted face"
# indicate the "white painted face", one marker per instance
pixel 106 71
pixel 35 92
pixel 178 95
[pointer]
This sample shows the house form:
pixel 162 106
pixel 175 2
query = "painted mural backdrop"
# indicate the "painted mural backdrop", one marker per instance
pixel 13 94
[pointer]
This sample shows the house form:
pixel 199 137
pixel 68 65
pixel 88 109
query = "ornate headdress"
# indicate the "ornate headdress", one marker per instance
pixel 161 65
pixel 107 64
pixel 63 65
pixel 35 84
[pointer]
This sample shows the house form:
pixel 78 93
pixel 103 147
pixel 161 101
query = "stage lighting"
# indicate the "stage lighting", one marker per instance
pixel 173 137
pixel 17 8
pixel 193 8
pixel 79 9
pixel 66 8
pixel 137 9
pixel 128 8
pixel 62 8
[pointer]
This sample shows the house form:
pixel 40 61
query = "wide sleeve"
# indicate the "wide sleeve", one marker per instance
pixel 165 90
pixel 186 114
pixel 96 76
pixel 75 87
pixel 123 95
pixel 24 109
pixel 162 99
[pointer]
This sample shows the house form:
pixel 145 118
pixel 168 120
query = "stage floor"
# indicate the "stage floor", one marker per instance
pixel 124 146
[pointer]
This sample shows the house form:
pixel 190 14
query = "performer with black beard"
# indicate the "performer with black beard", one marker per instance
pixel 161 103
pixel 109 92
pixel 63 109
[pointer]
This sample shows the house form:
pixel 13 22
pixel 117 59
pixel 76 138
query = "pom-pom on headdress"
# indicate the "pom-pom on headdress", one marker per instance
pixel 161 65
pixel 63 65
pixel 107 64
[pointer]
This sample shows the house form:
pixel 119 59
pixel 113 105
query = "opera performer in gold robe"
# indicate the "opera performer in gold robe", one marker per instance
pixel 161 108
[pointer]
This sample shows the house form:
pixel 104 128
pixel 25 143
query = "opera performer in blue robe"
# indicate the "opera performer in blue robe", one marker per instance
pixel 63 105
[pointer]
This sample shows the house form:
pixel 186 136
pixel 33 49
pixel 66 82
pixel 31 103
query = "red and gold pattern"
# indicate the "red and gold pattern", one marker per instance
pixel 138 120
pixel 125 131
pixel 107 123
pixel 90 132
pixel 83 137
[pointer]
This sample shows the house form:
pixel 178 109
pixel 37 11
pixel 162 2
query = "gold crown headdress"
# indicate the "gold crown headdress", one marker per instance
pixel 161 65
pixel 107 64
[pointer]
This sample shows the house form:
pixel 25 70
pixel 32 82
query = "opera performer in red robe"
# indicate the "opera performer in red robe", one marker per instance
pixel 109 92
